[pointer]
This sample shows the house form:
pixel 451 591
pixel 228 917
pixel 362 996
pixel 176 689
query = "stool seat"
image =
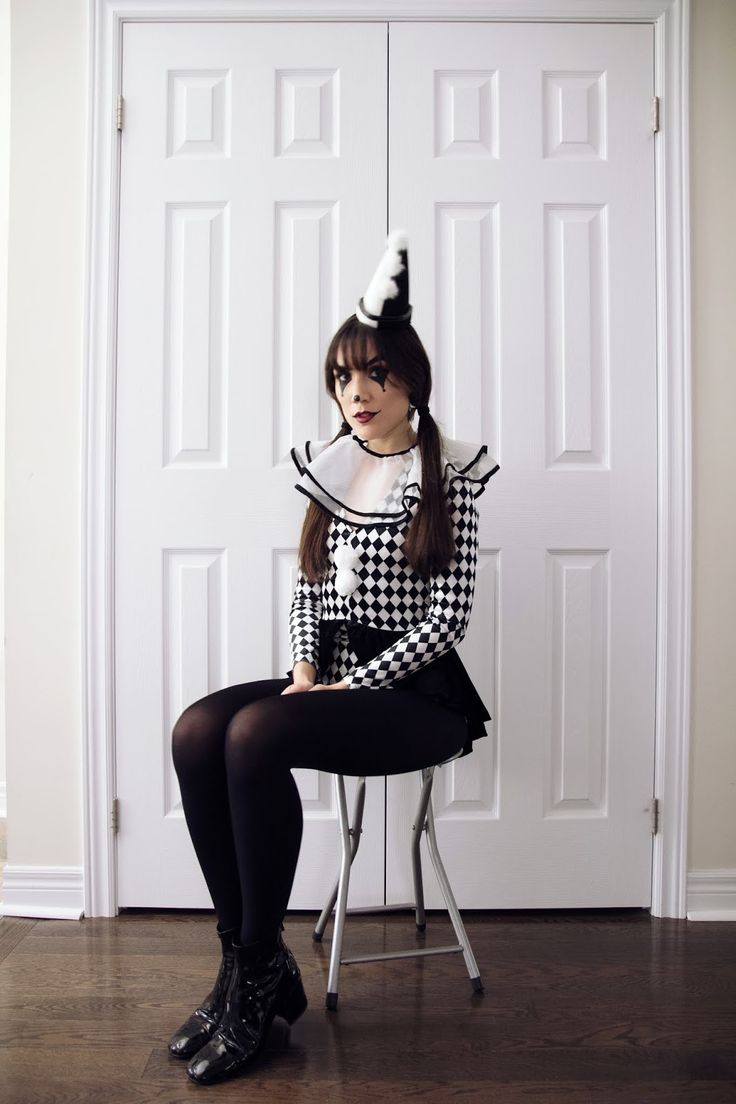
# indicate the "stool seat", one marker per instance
pixel 350 841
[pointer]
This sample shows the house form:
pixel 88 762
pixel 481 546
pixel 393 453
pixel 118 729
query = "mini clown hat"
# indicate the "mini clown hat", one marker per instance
pixel 385 303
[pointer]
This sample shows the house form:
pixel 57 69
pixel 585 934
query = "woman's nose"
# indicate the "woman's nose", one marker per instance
pixel 359 389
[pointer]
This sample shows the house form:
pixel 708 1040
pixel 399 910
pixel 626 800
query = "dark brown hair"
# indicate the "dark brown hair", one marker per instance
pixel 429 545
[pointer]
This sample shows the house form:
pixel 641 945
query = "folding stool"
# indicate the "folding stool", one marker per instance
pixel 350 840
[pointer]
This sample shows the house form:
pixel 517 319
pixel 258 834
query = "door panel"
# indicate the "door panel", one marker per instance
pixel 522 164
pixel 249 202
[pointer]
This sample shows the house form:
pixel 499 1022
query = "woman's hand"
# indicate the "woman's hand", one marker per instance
pixel 301 685
pixel 302 682
pixel 297 687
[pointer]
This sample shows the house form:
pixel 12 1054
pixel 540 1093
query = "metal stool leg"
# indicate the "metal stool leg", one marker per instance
pixel 462 935
pixel 416 856
pixel 355 833
pixel 342 891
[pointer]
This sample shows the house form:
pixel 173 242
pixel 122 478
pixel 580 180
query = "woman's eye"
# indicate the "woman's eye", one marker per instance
pixel 380 373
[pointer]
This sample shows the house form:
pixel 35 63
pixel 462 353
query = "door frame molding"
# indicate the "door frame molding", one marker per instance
pixel 671 21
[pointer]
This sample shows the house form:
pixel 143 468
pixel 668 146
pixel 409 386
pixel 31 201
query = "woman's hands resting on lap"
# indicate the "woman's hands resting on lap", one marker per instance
pixel 304 675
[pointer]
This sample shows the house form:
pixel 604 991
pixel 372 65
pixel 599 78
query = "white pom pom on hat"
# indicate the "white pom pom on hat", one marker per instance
pixel 385 302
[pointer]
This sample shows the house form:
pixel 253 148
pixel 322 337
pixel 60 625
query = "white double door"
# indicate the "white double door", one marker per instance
pixel 262 166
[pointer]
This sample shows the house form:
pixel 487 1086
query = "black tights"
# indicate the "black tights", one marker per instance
pixel 233 752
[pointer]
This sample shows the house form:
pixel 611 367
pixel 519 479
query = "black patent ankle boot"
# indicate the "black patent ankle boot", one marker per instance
pixel 266 982
pixel 202 1023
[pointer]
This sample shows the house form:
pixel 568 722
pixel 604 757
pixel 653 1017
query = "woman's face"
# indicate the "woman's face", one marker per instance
pixel 372 388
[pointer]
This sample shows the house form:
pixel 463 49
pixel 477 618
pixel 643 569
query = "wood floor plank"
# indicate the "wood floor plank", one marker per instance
pixel 181 1091
pixel 13 930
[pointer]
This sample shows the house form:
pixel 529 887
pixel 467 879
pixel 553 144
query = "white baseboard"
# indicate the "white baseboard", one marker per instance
pixel 47 892
pixel 711 895
pixel 57 892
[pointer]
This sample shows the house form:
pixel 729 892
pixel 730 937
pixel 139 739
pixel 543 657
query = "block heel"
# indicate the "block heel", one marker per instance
pixel 294 1005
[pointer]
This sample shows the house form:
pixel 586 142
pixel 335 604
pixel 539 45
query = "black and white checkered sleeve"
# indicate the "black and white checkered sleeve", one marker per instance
pixel 448 612
pixel 304 618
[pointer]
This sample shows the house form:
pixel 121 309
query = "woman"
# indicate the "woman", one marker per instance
pixel 384 591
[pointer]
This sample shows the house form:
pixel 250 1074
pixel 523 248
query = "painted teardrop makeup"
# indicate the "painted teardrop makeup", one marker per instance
pixel 377 368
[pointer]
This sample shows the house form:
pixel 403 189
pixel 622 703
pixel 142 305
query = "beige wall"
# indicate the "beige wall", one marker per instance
pixel 44 376
pixel 4 184
pixel 44 379
pixel 712 842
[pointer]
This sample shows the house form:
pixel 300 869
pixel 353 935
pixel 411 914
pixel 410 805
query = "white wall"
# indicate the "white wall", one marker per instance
pixel 44 374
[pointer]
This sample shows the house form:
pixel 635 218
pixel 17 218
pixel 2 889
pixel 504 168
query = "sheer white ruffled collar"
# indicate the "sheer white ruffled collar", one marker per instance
pixel 351 481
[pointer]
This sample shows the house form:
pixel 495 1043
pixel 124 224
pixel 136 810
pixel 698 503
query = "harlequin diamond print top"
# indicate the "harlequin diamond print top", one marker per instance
pixel 372 622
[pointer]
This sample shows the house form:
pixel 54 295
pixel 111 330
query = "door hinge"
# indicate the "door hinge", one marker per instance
pixel 115 816
pixel 655 815
pixel 655 114
pixel 119 113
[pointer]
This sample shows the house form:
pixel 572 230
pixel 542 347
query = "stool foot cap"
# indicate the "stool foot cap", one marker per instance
pixel 477 985
pixel 317 937
pixel 422 927
pixel 331 1002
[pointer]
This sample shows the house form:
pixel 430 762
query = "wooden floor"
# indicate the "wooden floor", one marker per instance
pixel 578 1007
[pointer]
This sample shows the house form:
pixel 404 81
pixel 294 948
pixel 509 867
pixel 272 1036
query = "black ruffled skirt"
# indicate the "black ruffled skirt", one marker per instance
pixel 444 679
